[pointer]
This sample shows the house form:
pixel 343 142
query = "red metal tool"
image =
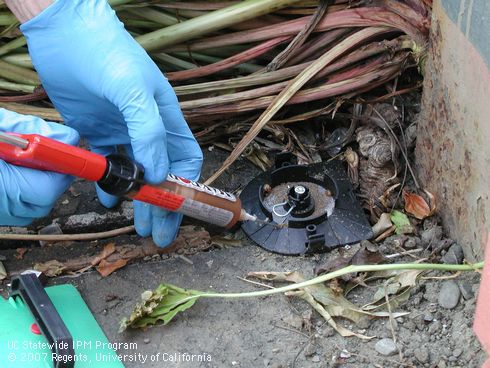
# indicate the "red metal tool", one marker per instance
pixel 120 176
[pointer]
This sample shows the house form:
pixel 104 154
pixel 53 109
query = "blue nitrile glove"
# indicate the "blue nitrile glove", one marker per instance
pixel 107 87
pixel 27 194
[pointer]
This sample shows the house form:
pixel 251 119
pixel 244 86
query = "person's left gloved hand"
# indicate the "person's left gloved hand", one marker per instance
pixel 27 194
pixel 107 87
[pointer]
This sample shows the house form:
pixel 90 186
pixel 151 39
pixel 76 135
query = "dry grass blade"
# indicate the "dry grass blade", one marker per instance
pixel 293 87
pixel 42 112
pixel 283 57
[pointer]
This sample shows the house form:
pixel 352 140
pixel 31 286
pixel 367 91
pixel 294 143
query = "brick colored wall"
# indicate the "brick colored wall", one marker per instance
pixel 453 146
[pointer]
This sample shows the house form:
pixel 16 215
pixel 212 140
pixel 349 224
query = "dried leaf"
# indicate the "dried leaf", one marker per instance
pixel 383 224
pixel 20 253
pixel 51 268
pixel 324 300
pixel 3 272
pixel 367 254
pixel 106 268
pixel 324 313
pixel 402 223
pixel 397 285
pixel 416 205
pixel 225 242
pixel 160 306
pixel 106 252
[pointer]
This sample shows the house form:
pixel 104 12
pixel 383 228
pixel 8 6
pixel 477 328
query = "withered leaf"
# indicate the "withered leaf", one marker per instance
pixel 327 302
pixel 106 268
pixel 20 253
pixel 51 268
pixel 417 206
pixel 106 252
pixel 367 254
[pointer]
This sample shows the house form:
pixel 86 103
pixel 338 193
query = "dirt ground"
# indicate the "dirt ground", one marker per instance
pixel 274 331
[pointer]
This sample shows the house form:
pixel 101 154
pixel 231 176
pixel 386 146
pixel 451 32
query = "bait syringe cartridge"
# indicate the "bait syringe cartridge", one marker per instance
pixel 121 176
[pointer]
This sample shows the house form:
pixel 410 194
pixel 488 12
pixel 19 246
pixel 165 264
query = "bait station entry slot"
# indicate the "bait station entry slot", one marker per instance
pixel 303 209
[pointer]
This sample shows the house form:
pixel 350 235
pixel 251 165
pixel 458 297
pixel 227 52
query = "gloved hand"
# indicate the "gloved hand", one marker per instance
pixel 107 87
pixel 26 194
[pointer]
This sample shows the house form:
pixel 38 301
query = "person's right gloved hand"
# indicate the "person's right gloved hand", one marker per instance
pixel 107 87
pixel 27 194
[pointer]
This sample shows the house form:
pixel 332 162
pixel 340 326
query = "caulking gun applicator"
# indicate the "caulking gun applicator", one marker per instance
pixel 121 176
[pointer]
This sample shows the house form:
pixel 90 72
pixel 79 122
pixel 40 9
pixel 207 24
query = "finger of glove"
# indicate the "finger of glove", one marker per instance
pixel 146 132
pixel 184 154
pixel 143 212
pixel 106 199
pixel 157 211
pixel 185 157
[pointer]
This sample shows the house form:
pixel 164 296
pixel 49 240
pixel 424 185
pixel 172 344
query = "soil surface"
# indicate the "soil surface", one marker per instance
pixel 275 331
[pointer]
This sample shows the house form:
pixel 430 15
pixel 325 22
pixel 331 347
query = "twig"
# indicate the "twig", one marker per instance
pixel 292 330
pixel 391 319
pixel 405 156
pixel 68 237
pixel 185 259
pixel 291 50
pixel 442 277
pixel 408 252
pixel 255 282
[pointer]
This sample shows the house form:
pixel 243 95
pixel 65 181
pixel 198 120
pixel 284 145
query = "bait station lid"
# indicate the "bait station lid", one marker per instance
pixel 303 209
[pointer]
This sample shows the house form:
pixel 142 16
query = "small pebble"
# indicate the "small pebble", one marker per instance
pixel 275 350
pixel 457 353
pixel 386 347
pixel 210 263
pixel 428 317
pixel 422 355
pixel 432 235
pixel 454 255
pixel 315 359
pixel 466 290
pixel 344 354
pixel 147 259
pixel 65 202
pixel 146 340
pixel 434 327
pixel 449 295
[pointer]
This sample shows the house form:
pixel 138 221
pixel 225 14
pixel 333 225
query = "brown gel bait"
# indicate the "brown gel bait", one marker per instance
pixel 195 200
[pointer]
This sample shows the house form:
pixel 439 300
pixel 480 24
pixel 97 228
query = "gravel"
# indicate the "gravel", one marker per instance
pixel 449 295
pixel 386 347
pixel 454 255
pixel 422 355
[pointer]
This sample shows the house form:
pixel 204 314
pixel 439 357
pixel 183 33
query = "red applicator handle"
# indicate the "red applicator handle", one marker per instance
pixel 44 153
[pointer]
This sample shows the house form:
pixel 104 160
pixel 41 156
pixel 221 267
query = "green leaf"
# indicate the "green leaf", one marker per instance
pixel 160 306
pixel 401 222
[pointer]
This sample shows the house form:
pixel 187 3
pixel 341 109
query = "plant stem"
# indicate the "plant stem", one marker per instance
pixel 208 23
pixel 18 74
pixel 345 271
pixel 12 45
